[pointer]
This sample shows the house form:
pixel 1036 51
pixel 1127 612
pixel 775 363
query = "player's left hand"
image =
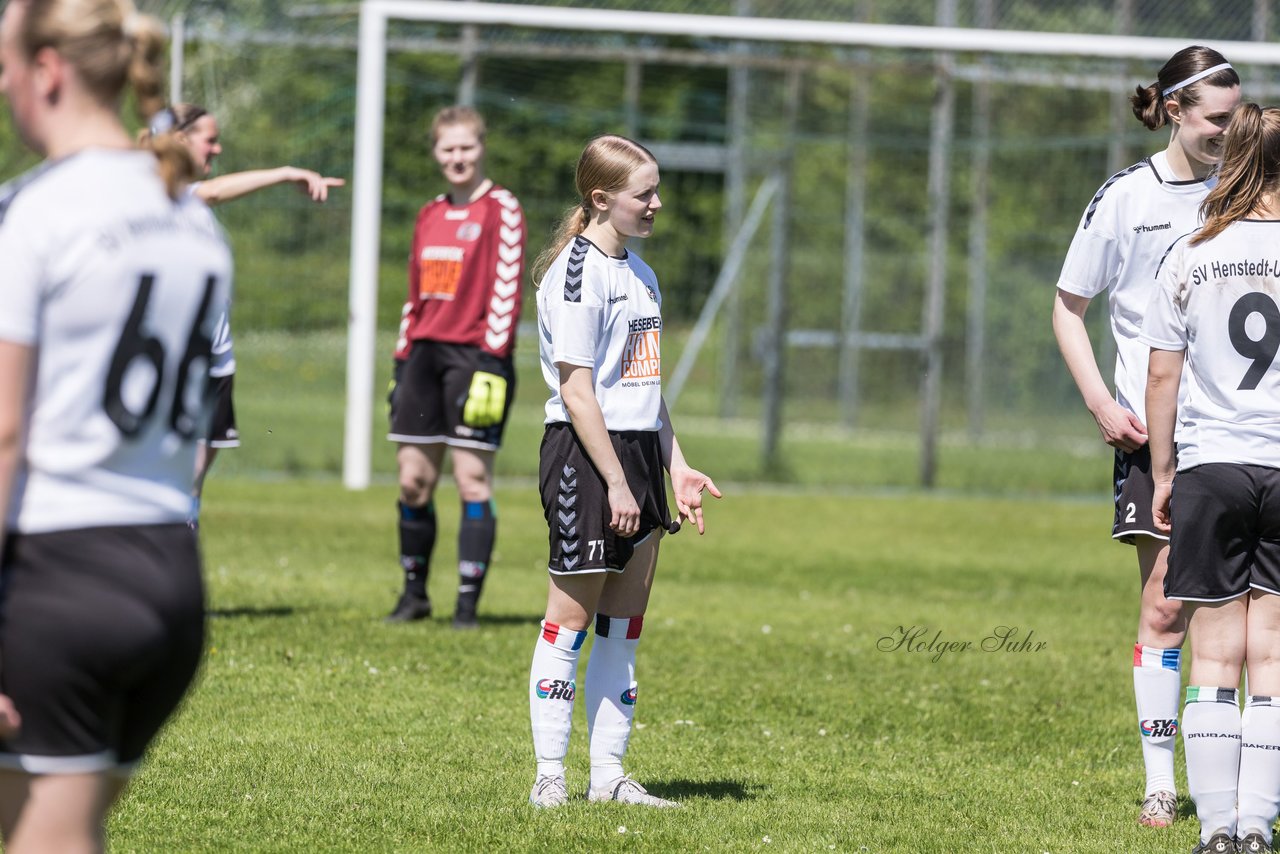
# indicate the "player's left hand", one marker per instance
pixel 688 485
pixel 486 400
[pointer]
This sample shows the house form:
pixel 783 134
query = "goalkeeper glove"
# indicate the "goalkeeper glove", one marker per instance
pixel 486 400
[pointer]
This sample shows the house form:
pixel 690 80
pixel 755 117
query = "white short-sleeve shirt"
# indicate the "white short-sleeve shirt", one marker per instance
pixel 224 356
pixel 1126 229
pixel 1220 302
pixel 603 313
pixel 115 286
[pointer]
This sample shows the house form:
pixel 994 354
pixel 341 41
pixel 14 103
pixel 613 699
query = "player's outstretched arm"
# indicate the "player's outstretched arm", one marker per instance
pixel 687 483
pixel 1164 373
pixel 226 188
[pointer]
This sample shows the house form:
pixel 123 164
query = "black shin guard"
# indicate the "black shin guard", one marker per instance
pixel 417 539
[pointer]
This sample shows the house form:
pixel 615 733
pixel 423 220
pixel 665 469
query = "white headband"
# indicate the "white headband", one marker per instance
pixel 1194 79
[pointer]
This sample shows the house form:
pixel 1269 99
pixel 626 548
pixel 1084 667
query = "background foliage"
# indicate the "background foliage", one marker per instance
pixel 282 85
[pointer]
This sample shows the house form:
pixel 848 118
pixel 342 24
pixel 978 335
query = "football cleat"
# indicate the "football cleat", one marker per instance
pixel 624 790
pixel 549 790
pixel 1158 810
pixel 1254 843
pixel 410 608
pixel 1219 843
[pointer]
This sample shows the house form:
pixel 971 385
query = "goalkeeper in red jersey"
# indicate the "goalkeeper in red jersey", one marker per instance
pixel 454 379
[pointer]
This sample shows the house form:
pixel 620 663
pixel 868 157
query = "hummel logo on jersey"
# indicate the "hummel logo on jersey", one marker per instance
pixel 555 689
pixel 617 299
pixel 1159 728
pixel 1139 229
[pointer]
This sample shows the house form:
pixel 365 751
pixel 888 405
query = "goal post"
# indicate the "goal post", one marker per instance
pixel 374 16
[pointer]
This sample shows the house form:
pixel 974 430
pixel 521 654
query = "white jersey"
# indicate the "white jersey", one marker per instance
pixel 1129 225
pixel 224 357
pixel 1218 301
pixel 603 313
pixel 115 287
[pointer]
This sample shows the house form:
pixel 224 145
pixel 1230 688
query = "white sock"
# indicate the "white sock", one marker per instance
pixel 1211 738
pixel 551 692
pixel 1259 796
pixel 1157 681
pixel 611 694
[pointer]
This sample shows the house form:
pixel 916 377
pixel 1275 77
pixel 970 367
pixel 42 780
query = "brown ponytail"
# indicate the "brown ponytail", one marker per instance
pixel 1148 102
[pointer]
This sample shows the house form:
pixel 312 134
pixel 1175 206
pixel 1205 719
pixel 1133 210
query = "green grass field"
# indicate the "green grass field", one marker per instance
pixel 771 702
pixel 785 694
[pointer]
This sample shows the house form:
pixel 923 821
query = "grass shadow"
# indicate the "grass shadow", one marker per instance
pixel 250 611
pixel 712 790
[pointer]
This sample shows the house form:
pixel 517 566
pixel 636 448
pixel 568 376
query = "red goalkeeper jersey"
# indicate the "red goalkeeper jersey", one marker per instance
pixel 464 274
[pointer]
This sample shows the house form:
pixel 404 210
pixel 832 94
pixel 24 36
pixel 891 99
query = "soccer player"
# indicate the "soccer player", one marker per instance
pixel 198 130
pixel 1216 315
pixel 608 438
pixel 454 378
pixel 1125 230
pixel 108 304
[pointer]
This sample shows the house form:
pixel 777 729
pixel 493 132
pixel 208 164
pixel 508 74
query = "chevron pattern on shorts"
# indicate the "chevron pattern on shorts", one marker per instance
pixel 506 281
pixel 573 272
pixel 567 518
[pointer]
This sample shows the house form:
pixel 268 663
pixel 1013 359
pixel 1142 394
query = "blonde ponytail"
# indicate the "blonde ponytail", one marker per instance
pixel 572 223
pixel 606 164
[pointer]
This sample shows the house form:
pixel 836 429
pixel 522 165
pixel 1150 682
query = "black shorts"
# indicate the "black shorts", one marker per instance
pixel 575 499
pixel 1226 532
pixel 1134 490
pixel 430 391
pixel 223 432
pixel 101 632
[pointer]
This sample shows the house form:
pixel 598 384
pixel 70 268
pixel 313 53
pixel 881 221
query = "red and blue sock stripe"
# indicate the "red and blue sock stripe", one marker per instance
pixel 562 637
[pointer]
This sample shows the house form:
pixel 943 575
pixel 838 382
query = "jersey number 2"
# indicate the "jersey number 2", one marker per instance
pixel 1261 350
pixel 136 344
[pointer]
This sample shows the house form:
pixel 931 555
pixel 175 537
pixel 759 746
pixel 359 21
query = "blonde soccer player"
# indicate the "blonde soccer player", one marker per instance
pixel 111 282
pixel 1125 230
pixel 607 441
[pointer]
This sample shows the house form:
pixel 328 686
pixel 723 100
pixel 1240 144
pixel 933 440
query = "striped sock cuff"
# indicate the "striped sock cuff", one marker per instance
pixel 1208 694
pixel 562 637
pixel 618 627
pixel 1152 656
pixel 1260 700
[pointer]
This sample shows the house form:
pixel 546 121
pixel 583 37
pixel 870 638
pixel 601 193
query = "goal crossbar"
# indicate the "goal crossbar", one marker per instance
pixel 370 105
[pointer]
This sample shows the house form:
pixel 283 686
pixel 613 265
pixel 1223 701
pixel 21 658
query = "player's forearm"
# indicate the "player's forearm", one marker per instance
pixel 671 453
pixel 226 188
pixel 1077 352
pixel 1163 377
pixel 15 370
pixel 584 411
